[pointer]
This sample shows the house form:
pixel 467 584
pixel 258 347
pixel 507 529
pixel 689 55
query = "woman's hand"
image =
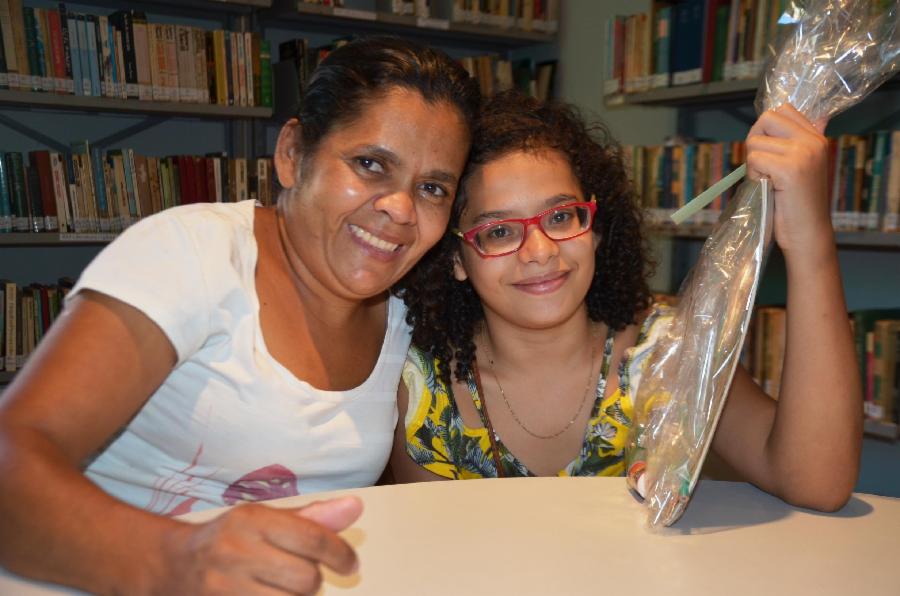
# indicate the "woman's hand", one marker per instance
pixel 789 150
pixel 255 549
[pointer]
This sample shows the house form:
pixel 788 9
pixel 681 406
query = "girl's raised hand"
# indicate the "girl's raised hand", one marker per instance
pixel 792 153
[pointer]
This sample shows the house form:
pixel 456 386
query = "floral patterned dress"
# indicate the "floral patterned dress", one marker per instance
pixel 439 441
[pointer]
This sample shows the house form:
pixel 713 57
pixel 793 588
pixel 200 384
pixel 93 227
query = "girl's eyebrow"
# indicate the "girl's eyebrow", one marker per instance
pixel 557 199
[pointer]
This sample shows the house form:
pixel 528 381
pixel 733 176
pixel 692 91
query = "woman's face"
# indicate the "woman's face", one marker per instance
pixel 545 282
pixel 377 193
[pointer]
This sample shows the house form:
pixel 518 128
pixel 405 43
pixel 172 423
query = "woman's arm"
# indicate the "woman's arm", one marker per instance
pixel 94 370
pixel 403 467
pixel 805 447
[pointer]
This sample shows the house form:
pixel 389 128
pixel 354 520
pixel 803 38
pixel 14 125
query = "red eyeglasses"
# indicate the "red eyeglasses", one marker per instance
pixel 499 238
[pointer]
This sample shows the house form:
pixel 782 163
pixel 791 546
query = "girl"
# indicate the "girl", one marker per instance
pixel 536 304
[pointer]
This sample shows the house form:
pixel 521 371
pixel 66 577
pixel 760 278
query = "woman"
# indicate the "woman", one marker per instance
pixel 538 304
pixel 217 354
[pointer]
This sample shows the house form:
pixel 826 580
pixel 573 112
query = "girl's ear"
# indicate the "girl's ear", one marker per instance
pixel 287 153
pixel 459 270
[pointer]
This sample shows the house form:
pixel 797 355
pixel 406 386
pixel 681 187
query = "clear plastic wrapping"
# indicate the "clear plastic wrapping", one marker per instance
pixel 836 52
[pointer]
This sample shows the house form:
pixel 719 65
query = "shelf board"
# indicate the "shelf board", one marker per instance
pixel 54 239
pixel 179 6
pixel 738 90
pixel 36 99
pixel 338 20
pixel 861 239
pixel 882 430
pixel 741 90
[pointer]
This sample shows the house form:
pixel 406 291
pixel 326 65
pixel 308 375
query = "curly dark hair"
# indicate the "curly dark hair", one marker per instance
pixel 446 313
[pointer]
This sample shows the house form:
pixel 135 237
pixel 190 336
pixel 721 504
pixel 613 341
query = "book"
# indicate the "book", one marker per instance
pixel 122 20
pixel 884 368
pixel 40 163
pixel 6 223
pixel 142 56
pixel 10 294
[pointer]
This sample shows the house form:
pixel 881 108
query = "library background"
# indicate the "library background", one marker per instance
pixel 111 111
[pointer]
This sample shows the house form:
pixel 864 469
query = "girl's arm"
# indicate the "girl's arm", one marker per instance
pixel 805 447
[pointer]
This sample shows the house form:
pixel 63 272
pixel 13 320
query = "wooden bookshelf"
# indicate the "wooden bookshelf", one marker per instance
pixel 81 103
pixel 337 20
pixel 6 377
pixel 861 239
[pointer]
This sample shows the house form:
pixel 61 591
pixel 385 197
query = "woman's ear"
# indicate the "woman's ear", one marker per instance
pixel 287 153
pixel 459 270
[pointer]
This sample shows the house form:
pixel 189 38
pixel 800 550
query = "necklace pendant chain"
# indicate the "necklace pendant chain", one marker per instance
pixel 515 417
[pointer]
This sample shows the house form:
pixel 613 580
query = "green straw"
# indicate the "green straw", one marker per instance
pixel 706 197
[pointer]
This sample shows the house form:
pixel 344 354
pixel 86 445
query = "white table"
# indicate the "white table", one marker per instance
pixel 589 536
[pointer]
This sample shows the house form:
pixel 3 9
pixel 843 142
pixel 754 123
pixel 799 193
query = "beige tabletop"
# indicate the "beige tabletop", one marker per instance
pixel 589 536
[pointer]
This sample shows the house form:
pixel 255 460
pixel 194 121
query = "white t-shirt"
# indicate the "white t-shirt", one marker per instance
pixel 230 423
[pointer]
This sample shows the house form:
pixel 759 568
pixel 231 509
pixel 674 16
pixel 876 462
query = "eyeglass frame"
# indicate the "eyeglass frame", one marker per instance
pixel 469 235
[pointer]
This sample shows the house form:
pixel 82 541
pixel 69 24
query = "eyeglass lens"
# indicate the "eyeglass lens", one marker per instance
pixel 558 224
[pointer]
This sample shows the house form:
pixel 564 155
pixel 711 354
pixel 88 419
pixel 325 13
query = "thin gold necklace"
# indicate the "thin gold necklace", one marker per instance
pixel 587 390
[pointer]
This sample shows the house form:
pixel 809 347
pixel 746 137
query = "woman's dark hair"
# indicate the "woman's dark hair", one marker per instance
pixel 445 313
pixel 366 69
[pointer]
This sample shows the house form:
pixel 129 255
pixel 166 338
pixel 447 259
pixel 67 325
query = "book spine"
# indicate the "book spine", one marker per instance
pixel 6 224
pixel 10 68
pixel 10 295
pixel 107 81
pixel 84 55
pixel 60 187
pixel 185 59
pixel 171 48
pixel 201 84
pixel 265 74
pixel 16 174
pixel 157 54
pixel 142 56
pixel 31 42
pixel 58 52
pixel 93 54
pixel 45 55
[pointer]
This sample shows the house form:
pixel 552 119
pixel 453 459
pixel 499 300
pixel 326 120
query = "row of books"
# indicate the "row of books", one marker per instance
pixel 496 74
pixel 26 312
pixel 876 335
pixel 86 191
pixel 297 60
pixel 877 339
pixel 685 42
pixel 527 15
pixel 864 172
pixel 123 55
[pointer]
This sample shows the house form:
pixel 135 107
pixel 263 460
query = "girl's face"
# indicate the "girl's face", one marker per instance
pixel 377 193
pixel 545 282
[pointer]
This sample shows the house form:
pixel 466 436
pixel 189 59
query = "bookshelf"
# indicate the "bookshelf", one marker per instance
pixel 641 67
pixel 50 120
pixel 864 240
